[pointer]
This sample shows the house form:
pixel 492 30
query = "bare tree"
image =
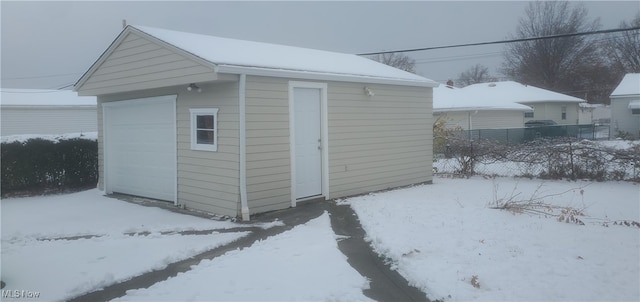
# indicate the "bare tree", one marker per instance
pixel 475 74
pixel 567 64
pixel 397 60
pixel 624 49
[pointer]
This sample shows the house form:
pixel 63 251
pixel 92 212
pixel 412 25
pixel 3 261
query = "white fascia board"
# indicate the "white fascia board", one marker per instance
pixel 88 107
pixel 311 75
pixel 444 110
pixel 549 101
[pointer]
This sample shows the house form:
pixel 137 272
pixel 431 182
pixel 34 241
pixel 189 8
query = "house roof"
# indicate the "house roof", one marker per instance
pixel 514 92
pixel 232 56
pixel 630 85
pixel 42 97
pixel 448 98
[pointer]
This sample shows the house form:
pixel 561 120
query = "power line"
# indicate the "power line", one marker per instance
pixel 605 31
pixel 39 77
pixel 30 91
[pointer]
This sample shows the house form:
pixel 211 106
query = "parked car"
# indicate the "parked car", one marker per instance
pixel 540 123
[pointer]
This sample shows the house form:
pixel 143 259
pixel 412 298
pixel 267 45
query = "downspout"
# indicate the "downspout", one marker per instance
pixel 243 148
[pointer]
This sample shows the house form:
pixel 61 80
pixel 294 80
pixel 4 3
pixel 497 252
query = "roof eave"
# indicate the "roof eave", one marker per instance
pixel 105 54
pixel 464 109
pixel 551 101
pixel 127 30
pixel 629 95
pixel 311 75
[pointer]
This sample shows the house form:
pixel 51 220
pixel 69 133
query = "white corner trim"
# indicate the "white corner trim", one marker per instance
pixel 244 206
pixel 105 152
pixel 292 145
pixel 324 126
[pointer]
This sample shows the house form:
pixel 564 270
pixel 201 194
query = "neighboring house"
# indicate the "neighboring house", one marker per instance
pixel 546 104
pixel 625 107
pixel 236 127
pixel 34 111
pixel 598 114
pixel 462 109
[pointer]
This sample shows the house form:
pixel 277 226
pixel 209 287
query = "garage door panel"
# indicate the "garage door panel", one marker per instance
pixel 140 147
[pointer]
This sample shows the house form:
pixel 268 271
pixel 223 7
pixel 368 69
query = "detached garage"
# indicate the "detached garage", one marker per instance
pixel 236 128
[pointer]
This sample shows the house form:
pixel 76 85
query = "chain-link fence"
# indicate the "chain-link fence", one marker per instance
pixel 521 135
pixel 564 157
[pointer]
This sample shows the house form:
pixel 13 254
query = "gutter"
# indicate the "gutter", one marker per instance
pixel 243 148
pixel 321 76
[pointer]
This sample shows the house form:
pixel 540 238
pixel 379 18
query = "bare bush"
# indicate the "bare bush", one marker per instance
pixel 556 158
pixel 469 152
pixel 537 204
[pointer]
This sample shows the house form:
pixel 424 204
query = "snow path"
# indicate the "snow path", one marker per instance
pixel 60 269
pixel 440 236
pixel 302 264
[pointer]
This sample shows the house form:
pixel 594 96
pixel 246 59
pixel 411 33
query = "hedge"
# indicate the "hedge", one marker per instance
pixel 39 166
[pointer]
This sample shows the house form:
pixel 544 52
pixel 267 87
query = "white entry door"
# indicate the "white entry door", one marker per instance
pixel 308 143
pixel 140 147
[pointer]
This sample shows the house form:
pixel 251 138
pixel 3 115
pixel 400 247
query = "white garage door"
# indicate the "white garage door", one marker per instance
pixel 140 147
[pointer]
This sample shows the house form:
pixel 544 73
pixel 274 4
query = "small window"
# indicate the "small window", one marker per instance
pixel 204 129
pixel 528 114
pixel 564 112
pixel 635 111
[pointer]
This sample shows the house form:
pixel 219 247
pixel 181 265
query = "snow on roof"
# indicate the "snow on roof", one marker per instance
pixel 250 55
pixel 43 97
pixel 587 105
pixel 514 92
pixel 630 85
pixel 448 98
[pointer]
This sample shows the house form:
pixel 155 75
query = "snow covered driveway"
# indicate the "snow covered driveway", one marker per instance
pixel 444 238
pixel 63 246
pixel 117 240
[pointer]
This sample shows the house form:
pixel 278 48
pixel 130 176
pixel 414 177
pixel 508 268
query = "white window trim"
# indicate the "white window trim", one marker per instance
pixel 193 113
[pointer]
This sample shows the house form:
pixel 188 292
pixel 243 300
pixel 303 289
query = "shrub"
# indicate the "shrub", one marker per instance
pixel 556 158
pixel 39 166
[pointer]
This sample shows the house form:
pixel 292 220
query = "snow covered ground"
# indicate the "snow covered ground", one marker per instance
pixel 59 269
pixel 438 236
pixel 50 137
pixel 301 264
pixel 443 236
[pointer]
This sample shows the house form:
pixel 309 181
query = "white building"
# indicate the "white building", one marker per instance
pixel 547 105
pixel 625 107
pixel 461 109
pixel 31 111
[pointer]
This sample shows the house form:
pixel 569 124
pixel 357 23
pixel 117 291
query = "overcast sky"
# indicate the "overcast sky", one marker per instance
pixel 50 44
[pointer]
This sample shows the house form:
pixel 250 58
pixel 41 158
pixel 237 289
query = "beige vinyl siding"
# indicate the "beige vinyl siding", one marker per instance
pixel 209 181
pixel 47 119
pixel 378 142
pixel 267 139
pixel 137 64
pixel 621 118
